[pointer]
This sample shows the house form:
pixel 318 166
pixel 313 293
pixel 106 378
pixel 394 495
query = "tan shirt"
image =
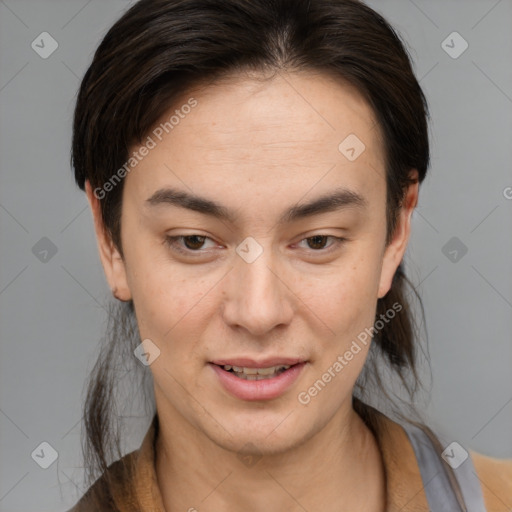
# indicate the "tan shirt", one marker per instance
pixel 137 488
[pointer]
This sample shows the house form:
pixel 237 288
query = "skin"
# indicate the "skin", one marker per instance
pixel 260 148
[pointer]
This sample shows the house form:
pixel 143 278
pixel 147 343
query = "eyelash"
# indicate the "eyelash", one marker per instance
pixel 171 242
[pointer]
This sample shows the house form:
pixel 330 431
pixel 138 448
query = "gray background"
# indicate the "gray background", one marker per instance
pixel 52 315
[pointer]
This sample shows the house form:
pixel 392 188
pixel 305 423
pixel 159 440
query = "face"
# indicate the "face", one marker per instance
pixel 253 240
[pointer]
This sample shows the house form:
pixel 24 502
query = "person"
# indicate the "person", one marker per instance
pixel 252 168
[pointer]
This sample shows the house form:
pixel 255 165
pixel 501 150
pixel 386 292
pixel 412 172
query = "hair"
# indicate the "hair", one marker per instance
pixel 160 49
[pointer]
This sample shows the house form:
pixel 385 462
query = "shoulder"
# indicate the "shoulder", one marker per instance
pixel 97 497
pixel 495 476
pixel 108 492
pixel 125 481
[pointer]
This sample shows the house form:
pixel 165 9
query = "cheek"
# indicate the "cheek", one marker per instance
pixel 168 305
pixel 346 304
pixel 172 312
pixel 161 297
pixel 346 301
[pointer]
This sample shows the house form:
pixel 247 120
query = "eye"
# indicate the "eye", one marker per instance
pixel 193 243
pixel 317 242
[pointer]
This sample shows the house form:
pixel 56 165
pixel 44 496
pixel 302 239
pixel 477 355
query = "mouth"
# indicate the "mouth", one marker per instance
pixel 248 379
pixel 246 373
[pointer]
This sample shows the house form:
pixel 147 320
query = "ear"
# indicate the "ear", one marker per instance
pixel 395 251
pixel 111 259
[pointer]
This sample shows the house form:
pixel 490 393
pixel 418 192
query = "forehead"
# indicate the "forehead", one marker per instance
pixel 287 136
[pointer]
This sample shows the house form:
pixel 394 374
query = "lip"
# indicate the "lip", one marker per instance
pixel 246 362
pixel 253 390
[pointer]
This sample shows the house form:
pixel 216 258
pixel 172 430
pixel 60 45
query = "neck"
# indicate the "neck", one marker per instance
pixel 340 468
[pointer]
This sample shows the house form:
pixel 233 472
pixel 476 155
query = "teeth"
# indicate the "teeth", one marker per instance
pixel 256 373
pixel 268 371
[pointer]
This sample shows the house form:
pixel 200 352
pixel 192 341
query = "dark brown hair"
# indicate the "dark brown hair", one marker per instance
pixel 157 51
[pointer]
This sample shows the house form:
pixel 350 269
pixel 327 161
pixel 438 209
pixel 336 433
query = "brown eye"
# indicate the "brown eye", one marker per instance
pixel 190 245
pixel 317 241
pixel 193 242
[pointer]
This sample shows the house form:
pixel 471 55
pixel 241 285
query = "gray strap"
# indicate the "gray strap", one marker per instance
pixel 438 490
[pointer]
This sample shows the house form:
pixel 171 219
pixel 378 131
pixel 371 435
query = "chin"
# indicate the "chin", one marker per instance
pixel 268 436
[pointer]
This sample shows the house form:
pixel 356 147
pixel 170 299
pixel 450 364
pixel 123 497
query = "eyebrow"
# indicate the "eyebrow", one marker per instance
pixel 339 199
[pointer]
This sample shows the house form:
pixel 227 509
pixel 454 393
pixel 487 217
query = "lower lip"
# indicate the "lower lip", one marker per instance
pixel 265 389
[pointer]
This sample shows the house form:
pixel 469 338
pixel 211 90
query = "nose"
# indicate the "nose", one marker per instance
pixel 257 295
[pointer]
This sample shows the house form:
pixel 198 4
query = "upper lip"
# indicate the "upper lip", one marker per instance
pixel 246 362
